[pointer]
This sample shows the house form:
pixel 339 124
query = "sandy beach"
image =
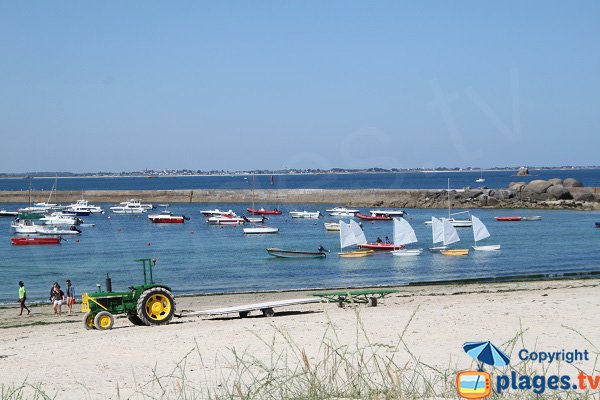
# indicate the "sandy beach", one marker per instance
pixel 56 355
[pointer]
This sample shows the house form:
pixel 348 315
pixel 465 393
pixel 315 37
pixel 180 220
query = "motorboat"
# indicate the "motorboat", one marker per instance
pixel 23 241
pixel 388 213
pixel 59 218
pixel 82 208
pixel 342 212
pixel 216 211
pixel 167 217
pixel 380 246
pixel 332 226
pixel 305 214
pixel 262 211
pixel 5 213
pixel 532 218
pixel 226 220
pixel 128 209
pixel 281 253
pixel 255 220
pixel 55 231
pixel 457 222
pixel 259 230
pixel 510 218
pixel 24 226
pixel 374 217
pixel 136 203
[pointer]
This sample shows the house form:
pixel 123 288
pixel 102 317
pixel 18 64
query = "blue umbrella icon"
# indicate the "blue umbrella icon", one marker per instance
pixel 486 353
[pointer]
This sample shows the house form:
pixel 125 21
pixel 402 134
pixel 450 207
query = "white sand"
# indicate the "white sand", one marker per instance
pixel 73 363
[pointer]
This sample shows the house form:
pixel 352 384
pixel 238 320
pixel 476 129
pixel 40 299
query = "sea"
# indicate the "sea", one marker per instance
pixel 198 258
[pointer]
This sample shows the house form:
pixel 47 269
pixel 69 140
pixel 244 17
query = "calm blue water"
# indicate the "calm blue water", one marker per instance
pixel 198 258
pixel 408 180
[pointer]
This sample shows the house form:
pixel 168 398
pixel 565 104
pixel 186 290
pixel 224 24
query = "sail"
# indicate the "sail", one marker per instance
pixel 359 234
pixel 403 232
pixel 480 232
pixel 346 235
pixel 437 230
pixel 450 234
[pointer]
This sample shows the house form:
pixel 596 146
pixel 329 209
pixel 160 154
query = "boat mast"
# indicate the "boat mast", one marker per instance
pixel 448 198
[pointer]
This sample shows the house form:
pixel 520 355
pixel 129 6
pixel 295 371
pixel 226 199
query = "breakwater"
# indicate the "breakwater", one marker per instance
pixel 581 198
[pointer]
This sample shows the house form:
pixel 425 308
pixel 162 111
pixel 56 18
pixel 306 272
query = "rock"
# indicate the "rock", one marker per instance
pixel 523 171
pixel 504 194
pixel 516 186
pixel 570 182
pixel 492 201
pixel 555 181
pixel 559 192
pixel 537 186
pixel 585 197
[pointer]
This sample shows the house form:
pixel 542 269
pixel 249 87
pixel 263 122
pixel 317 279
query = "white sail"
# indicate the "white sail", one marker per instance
pixel 480 232
pixel 437 230
pixel 450 234
pixel 403 232
pixel 359 234
pixel 346 235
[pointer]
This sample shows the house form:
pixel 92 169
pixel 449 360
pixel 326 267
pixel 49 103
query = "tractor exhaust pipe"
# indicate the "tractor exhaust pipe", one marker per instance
pixel 108 283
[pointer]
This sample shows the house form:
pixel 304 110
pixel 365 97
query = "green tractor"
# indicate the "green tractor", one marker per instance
pixel 147 304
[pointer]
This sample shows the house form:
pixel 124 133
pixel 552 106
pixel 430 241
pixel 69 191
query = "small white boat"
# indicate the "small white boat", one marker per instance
pixel 5 213
pixel 458 223
pixel 128 209
pixel 332 226
pixel 305 214
pixel 260 230
pixel 352 234
pixel 25 226
pixel 480 232
pixel 44 230
pixel 387 213
pixel 136 203
pixel 404 234
pixel 60 219
pixel 480 179
pixel 216 211
pixel 532 218
pixel 226 220
pixel 259 219
pixel 342 212
pixel 81 207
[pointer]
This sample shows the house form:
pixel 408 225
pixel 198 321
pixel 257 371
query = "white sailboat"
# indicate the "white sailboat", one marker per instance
pixel 459 223
pixel 450 236
pixel 404 234
pixel 258 229
pixel 480 232
pixel 437 234
pixel 481 178
pixel 352 234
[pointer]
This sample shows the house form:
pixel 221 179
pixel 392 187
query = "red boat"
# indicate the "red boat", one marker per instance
pixel 262 211
pixel 167 217
pixel 374 217
pixel 380 246
pixel 23 241
pixel 509 218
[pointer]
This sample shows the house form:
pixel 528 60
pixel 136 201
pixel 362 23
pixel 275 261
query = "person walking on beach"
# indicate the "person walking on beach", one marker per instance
pixel 70 295
pixel 22 298
pixel 57 299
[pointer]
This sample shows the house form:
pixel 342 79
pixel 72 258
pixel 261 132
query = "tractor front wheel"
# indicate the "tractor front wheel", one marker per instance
pixel 88 321
pixel 104 320
pixel 156 306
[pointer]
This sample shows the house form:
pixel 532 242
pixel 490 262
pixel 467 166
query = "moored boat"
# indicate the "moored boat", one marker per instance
pixel 262 211
pixel 55 231
pixel 215 212
pixel 25 226
pixel 332 226
pixel 342 212
pixel 597 224
pixel 128 209
pixel 532 218
pixel 5 213
pixel 23 241
pixel 167 217
pixel 374 217
pixel 59 218
pixel 388 213
pixel 83 208
pixel 305 214
pixel 260 230
pixel 281 253
pixel 137 203
pixel 380 246
pixel 455 252
pixel 226 220
pixel 509 218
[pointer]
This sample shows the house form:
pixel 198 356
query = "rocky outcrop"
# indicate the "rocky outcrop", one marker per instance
pixel 559 192
pixel 537 186
pixel 523 171
pixel 572 183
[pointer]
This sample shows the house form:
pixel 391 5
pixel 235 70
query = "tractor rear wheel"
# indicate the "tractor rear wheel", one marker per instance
pixel 156 306
pixel 134 319
pixel 88 321
pixel 104 320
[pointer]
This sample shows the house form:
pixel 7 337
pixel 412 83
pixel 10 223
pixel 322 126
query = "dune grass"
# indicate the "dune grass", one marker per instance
pixel 332 369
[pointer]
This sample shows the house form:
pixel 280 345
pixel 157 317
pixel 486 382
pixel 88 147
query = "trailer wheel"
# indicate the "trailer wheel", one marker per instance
pixel 104 320
pixel 156 306
pixel 134 319
pixel 88 321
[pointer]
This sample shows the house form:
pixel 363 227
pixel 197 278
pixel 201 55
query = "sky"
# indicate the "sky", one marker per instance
pixel 238 85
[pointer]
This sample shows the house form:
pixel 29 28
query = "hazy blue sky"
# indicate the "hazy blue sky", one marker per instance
pixel 87 86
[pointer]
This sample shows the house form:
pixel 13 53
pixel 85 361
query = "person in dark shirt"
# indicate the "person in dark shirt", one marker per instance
pixel 57 299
